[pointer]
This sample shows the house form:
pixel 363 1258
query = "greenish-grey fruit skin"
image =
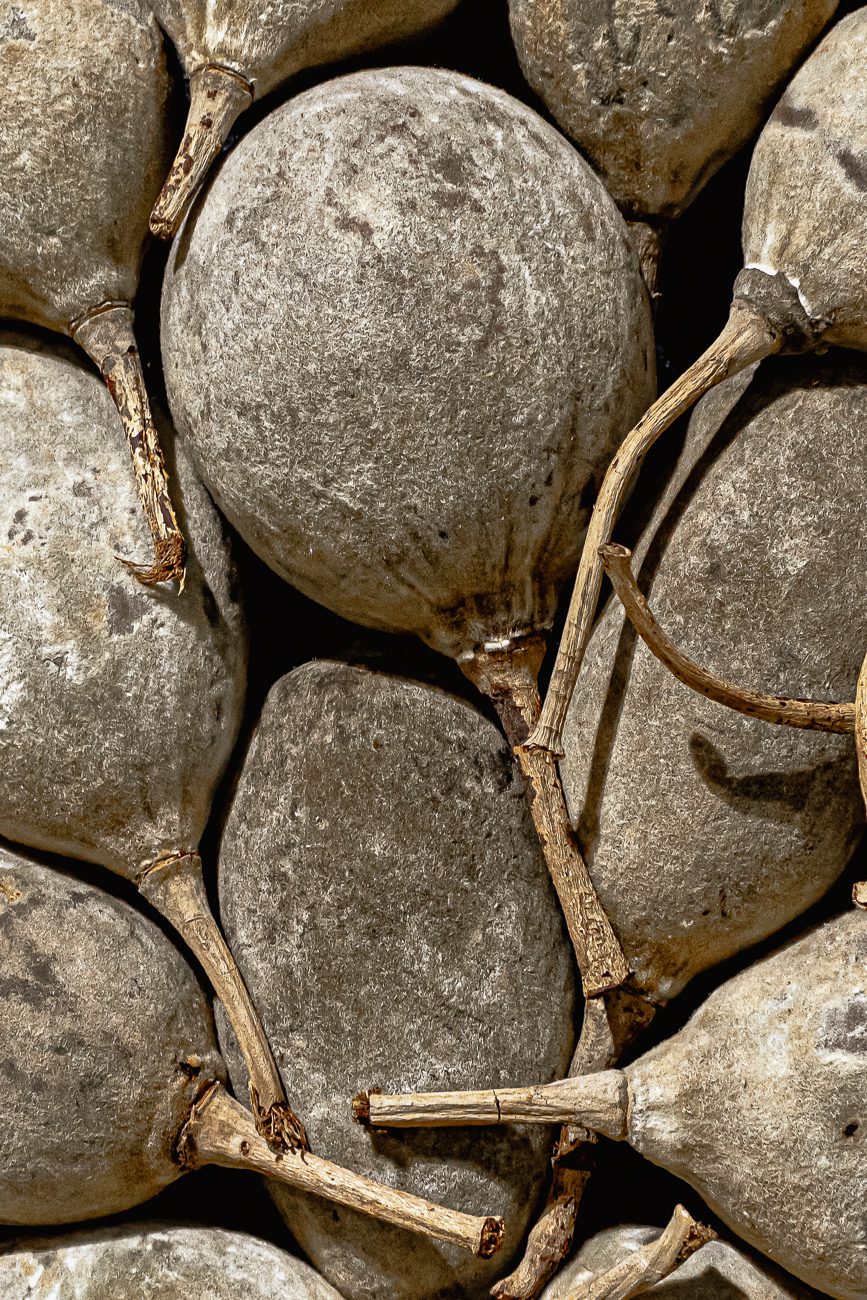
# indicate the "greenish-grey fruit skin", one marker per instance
pixel 388 905
pixel 83 151
pixel 658 97
pixel 404 334
pixel 157 1262
pixel 759 1104
pixel 706 830
pixel 266 47
pixel 105 1040
pixel 805 213
pixel 719 1271
pixel 119 705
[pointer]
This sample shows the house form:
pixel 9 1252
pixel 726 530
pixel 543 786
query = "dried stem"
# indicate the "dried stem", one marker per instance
pixel 217 97
pixel 176 888
pixel 649 240
pixel 106 335
pixel 219 1132
pixel 645 1267
pixel 861 728
pixel 746 338
pixel 508 678
pixel 814 715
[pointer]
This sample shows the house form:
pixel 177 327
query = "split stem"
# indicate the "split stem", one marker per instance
pixel 642 1269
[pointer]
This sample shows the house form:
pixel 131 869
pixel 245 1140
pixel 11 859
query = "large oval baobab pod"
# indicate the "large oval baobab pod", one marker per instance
pixel 235 52
pixel 378 876
pixel 82 151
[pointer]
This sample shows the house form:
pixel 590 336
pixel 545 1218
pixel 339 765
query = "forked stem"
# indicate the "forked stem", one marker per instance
pixel 643 1268
pixel 219 1132
pixel 508 678
pixel 747 337
pixel 176 888
pixel 217 97
pixel 813 715
pixel 107 336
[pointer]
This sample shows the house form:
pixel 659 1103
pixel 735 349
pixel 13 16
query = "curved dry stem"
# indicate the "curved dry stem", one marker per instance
pixel 219 1132
pixel 176 888
pixel 861 728
pixel 645 1267
pixel 649 241
pixel 812 715
pixel 747 337
pixel 107 336
pixel 217 97
pixel 508 679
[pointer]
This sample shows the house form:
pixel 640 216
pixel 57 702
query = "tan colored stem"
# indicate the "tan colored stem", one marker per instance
pixel 599 1101
pixel 508 679
pixel 176 888
pixel 813 715
pixel 861 728
pixel 217 97
pixel 649 240
pixel 645 1267
pixel 747 337
pixel 219 1132
pixel 859 894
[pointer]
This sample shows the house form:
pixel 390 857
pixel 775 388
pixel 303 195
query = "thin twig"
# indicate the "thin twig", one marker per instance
pixel 645 1267
pixel 861 728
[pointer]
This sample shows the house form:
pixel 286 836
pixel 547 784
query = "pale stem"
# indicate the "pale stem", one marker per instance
pixel 747 337
pixel 643 1268
pixel 813 715
pixel 508 679
pixel 219 1132
pixel 217 97
pixel 649 240
pixel 861 728
pixel 176 888
pixel 107 336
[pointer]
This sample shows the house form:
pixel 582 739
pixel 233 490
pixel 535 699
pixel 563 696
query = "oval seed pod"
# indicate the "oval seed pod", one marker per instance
pixel 804 286
pixel 109 1096
pixel 233 52
pixel 82 152
pixel 378 875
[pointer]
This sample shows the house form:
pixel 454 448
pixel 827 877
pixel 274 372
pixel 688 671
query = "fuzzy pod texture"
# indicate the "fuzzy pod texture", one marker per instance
pixel 759 1104
pixel 706 830
pixel 83 150
pixel 268 45
pixel 96 1077
pixel 388 904
pixel 658 97
pixel 157 1262
pixel 404 335
pixel 805 214
pixel 119 704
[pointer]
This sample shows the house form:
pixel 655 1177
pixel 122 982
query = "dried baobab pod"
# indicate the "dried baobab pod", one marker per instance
pixel 82 152
pixel 623 85
pixel 119 707
pixel 146 1261
pixel 774 1057
pixel 108 1095
pixel 378 874
pixel 235 53
pixel 803 287
pixel 426 467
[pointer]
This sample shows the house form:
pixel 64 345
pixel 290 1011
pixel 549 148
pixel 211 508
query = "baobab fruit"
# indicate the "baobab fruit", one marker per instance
pixel 378 875
pixel 82 152
pixel 144 1261
pixel 235 52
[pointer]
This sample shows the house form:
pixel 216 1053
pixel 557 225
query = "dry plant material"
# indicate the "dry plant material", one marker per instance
pixel 777 1049
pixel 233 53
pixel 861 728
pixel 641 1270
pixel 378 873
pixel 803 286
pixel 142 1077
pixel 119 708
pixel 82 152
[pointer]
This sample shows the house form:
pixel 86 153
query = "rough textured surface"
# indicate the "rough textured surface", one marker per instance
pixel 82 153
pixel 119 704
pixel 96 1077
pixel 719 1271
pixel 706 830
pixel 157 1262
pixel 268 44
pixel 659 96
pixel 805 216
pixel 390 910
pixel 404 335
pixel 759 1103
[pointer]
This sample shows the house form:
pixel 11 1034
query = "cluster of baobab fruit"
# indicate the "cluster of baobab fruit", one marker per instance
pixel 408 349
